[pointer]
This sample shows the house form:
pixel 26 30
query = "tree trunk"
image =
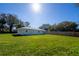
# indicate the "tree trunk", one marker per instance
pixel 11 28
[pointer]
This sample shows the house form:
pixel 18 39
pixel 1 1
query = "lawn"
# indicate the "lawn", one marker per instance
pixel 38 45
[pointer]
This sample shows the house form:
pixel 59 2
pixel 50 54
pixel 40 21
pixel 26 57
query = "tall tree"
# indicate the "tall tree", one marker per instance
pixel 12 20
pixel 45 27
pixel 2 22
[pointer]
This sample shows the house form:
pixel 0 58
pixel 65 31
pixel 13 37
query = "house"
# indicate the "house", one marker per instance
pixel 29 31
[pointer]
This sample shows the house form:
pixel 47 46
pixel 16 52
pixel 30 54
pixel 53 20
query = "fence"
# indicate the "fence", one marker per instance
pixel 65 33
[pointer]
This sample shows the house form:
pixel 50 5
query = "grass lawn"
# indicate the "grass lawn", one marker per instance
pixel 38 45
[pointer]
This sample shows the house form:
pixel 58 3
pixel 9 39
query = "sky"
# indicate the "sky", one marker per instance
pixel 49 13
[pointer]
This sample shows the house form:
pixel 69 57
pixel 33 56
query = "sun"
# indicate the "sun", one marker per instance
pixel 36 7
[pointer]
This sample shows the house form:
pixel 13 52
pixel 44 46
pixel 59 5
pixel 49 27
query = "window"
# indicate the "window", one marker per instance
pixel 32 30
pixel 38 31
pixel 26 30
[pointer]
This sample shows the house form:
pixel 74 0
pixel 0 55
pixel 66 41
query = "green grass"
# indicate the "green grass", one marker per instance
pixel 38 45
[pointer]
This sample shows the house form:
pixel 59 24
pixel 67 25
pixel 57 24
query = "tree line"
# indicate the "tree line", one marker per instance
pixel 10 21
pixel 62 26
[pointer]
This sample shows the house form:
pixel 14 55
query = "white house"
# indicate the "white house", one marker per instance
pixel 29 31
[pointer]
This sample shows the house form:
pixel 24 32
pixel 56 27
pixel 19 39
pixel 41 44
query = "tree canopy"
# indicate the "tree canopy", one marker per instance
pixel 10 20
pixel 62 26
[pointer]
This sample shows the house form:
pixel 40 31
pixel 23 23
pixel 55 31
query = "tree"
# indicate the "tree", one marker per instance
pixel 2 22
pixel 8 21
pixel 26 24
pixel 19 26
pixel 45 27
pixel 12 20
pixel 66 26
pixel 52 27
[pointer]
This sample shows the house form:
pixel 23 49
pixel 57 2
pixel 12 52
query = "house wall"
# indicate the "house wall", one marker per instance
pixel 29 31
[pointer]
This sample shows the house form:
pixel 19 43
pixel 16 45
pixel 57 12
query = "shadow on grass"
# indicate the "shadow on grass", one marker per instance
pixel 16 35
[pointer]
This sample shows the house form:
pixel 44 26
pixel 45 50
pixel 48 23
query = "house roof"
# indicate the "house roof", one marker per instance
pixel 31 28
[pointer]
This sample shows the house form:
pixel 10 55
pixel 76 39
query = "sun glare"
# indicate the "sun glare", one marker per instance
pixel 36 7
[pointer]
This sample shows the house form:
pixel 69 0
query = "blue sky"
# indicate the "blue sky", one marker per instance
pixel 49 13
